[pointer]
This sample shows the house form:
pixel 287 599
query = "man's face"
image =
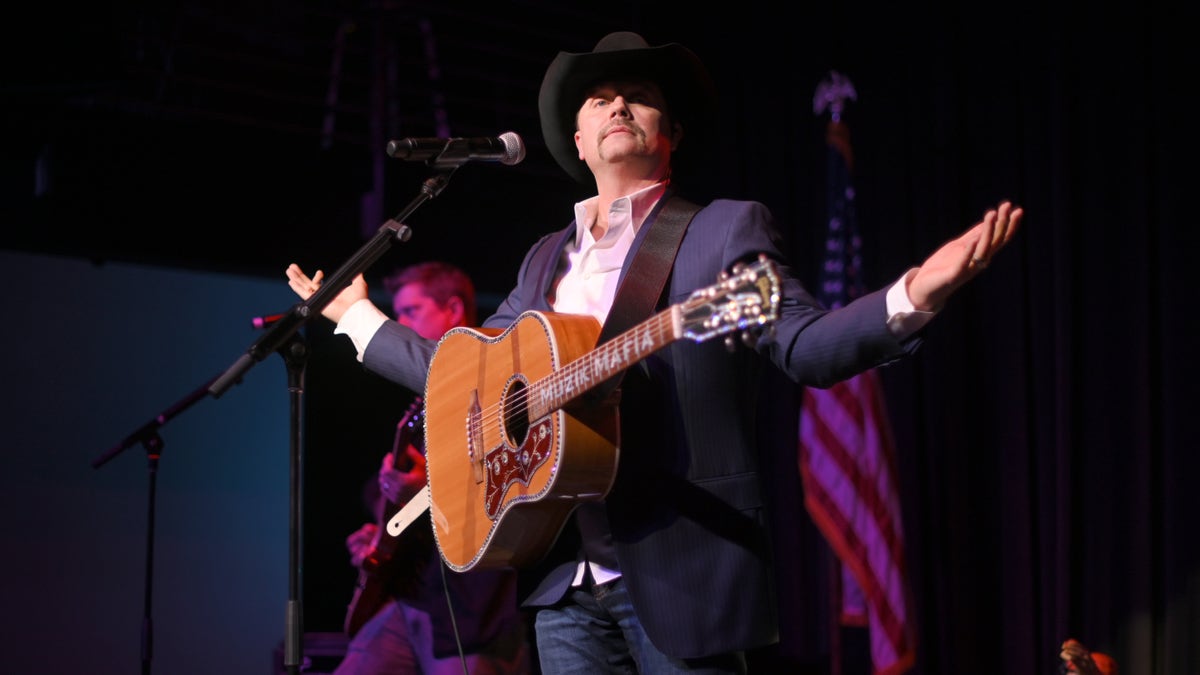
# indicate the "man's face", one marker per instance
pixel 625 123
pixel 421 313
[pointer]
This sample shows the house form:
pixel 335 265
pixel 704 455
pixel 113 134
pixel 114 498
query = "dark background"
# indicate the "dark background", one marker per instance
pixel 1046 450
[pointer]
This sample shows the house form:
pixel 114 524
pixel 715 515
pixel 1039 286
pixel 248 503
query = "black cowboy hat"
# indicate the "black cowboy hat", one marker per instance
pixel 679 73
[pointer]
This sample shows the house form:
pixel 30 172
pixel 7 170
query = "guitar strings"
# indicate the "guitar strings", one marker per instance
pixel 573 379
pixel 659 330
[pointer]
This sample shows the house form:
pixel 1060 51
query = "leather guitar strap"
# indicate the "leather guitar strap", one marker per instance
pixel 635 300
pixel 642 287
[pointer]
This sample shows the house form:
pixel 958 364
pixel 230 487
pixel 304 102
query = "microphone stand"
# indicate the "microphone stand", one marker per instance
pixel 277 333
pixel 389 233
pixel 280 337
pixel 148 436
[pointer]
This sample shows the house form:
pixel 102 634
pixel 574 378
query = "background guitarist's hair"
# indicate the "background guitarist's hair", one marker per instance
pixel 441 282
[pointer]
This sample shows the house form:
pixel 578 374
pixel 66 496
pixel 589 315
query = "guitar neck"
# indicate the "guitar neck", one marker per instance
pixel 579 376
pixel 408 432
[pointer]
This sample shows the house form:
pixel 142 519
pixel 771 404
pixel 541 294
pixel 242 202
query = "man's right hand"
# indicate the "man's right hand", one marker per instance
pixel 305 287
pixel 398 486
pixel 362 543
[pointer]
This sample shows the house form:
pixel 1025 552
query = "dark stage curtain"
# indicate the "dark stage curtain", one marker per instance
pixel 1046 443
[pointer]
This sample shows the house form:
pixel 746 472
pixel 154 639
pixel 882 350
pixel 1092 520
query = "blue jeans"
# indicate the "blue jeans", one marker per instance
pixel 594 630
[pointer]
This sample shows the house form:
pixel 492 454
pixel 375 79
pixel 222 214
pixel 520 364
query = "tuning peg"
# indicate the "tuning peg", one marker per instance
pixel 730 344
pixel 749 339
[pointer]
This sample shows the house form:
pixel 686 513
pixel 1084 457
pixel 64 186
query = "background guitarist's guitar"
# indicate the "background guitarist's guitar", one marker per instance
pixel 511 451
pixel 397 560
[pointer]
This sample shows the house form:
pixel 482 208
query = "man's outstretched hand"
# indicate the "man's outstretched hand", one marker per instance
pixel 305 287
pixel 960 260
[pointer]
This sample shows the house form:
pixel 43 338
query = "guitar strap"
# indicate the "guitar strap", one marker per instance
pixel 642 287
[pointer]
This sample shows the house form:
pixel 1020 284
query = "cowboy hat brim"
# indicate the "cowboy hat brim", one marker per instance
pixel 679 73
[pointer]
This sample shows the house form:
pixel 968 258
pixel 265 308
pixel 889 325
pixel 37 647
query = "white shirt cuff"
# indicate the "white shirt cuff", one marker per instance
pixel 360 323
pixel 903 318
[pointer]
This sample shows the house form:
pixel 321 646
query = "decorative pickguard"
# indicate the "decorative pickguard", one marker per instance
pixel 507 465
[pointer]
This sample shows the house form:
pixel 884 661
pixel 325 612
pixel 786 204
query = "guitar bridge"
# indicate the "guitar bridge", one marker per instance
pixel 475 451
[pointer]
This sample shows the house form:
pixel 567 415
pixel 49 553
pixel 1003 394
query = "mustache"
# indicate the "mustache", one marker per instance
pixel 626 124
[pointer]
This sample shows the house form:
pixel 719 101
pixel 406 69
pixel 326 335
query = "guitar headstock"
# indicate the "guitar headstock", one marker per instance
pixel 745 299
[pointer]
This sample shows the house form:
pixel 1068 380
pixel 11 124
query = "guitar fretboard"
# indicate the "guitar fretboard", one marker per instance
pixel 577 377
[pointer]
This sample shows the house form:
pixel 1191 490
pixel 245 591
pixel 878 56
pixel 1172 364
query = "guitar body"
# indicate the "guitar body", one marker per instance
pixel 512 445
pixel 370 595
pixel 396 562
pixel 385 574
pixel 505 470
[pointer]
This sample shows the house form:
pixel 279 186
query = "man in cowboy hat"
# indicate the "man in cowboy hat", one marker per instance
pixel 669 569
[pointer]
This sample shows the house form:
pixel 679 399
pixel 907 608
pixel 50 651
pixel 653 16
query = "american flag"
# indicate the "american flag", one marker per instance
pixel 847 455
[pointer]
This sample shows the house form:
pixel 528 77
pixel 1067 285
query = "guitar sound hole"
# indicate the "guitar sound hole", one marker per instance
pixel 516 414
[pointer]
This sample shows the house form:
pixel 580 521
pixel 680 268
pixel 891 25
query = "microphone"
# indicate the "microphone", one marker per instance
pixel 508 148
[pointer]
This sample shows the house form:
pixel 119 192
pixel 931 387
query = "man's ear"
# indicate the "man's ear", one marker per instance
pixel 578 146
pixel 455 305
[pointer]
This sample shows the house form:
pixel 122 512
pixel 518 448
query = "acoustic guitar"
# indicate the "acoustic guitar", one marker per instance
pixel 396 560
pixel 511 449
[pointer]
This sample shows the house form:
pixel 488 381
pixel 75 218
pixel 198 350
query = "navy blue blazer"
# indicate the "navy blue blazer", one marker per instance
pixel 688 507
